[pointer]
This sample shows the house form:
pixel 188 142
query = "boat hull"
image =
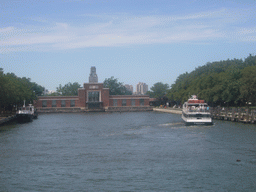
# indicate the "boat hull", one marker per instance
pixel 196 121
pixel 24 117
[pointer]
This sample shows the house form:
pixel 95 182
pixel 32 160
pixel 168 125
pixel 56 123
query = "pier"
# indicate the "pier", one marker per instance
pixel 244 115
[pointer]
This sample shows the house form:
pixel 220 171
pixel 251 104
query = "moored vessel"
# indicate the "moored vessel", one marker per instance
pixel 26 113
pixel 196 112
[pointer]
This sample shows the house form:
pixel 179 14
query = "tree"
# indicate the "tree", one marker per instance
pixel 14 90
pixel 158 90
pixel 115 87
pixel 248 85
pixel 229 82
pixel 69 89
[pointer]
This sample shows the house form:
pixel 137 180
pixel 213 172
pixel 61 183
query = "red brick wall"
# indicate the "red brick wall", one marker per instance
pixel 82 97
pixel 105 97
pixel 77 103
pixel 137 102
pixel 80 100
pixel 39 102
pixel 128 99
pixel 67 103
pixel 58 103
pixel 128 102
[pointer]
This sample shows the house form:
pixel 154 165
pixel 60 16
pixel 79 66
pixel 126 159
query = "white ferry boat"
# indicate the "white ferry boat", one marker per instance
pixel 26 114
pixel 196 112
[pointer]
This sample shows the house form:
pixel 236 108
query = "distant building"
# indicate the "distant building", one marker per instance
pixel 93 78
pixel 93 97
pixel 141 88
pixel 48 92
pixel 129 87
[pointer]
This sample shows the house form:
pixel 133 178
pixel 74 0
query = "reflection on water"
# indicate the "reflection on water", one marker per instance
pixel 126 152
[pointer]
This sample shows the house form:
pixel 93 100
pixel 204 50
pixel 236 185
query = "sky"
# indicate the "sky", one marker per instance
pixel 55 42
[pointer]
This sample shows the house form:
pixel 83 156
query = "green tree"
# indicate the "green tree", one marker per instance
pixel 115 87
pixel 158 90
pixel 69 89
pixel 219 83
pixel 248 85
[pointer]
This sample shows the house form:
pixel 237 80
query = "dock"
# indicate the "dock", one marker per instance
pixel 243 115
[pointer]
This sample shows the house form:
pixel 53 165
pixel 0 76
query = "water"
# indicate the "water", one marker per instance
pixel 145 151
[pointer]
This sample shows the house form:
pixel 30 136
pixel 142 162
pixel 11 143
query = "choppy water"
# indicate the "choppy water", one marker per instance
pixel 146 151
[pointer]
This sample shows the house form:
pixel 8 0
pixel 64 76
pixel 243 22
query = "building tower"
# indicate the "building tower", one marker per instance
pixel 93 78
pixel 141 88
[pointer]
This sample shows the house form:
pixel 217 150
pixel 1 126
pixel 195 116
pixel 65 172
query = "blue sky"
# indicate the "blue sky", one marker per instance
pixel 57 41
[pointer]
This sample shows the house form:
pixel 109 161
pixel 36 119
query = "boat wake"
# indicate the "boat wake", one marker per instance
pixel 171 124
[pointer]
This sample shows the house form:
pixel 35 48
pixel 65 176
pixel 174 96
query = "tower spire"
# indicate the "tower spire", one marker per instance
pixel 93 78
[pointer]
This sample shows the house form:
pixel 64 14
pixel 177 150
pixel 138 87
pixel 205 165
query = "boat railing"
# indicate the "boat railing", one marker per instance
pixel 196 110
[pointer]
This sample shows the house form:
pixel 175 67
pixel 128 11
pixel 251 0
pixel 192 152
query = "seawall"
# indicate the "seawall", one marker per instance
pixel 4 120
pixel 84 110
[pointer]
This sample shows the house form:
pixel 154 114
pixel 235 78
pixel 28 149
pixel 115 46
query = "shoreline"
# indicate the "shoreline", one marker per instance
pixel 4 120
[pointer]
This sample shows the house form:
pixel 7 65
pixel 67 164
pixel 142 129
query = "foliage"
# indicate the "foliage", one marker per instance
pixel 14 90
pixel 68 90
pixel 115 87
pixel 158 90
pixel 230 82
pixel 248 85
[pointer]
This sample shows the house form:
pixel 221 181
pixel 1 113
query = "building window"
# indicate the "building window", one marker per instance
pixel 114 102
pixel 141 102
pixel 124 102
pixel 44 103
pixel 133 102
pixel 53 103
pixel 63 103
pixel 72 103
pixel 94 96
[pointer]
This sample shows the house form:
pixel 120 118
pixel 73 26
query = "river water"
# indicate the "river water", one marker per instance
pixel 141 151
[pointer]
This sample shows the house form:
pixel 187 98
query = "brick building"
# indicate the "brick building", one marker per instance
pixel 93 97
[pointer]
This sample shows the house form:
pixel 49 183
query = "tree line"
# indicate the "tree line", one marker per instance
pixel 225 83
pixel 14 90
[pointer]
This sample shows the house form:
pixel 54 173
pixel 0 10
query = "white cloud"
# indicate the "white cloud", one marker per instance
pixel 123 30
pixel 6 30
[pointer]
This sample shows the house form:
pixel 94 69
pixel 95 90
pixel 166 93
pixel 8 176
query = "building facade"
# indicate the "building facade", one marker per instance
pixel 93 97
pixel 141 88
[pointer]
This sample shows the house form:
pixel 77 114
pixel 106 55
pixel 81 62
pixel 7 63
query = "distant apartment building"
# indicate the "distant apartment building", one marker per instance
pixel 141 88
pixel 129 87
